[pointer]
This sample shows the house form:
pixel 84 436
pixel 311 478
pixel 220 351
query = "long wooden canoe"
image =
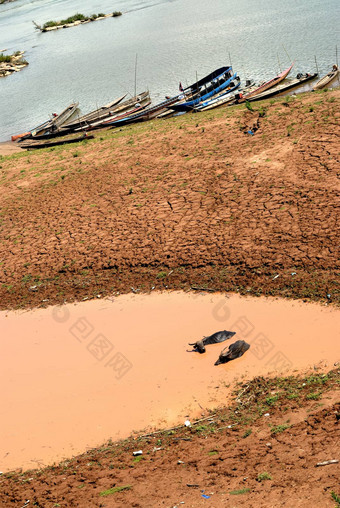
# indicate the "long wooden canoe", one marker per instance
pixel 328 79
pixel 107 122
pixel 107 111
pixel 268 84
pixel 101 124
pixel 98 113
pixel 50 125
pixel 33 145
pixel 284 87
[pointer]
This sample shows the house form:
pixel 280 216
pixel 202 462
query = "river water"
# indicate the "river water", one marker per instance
pixel 174 40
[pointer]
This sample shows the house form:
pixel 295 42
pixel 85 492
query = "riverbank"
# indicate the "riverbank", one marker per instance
pixel 274 444
pixel 12 63
pixel 192 202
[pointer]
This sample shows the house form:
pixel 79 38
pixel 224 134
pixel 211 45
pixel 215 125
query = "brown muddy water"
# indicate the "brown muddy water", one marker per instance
pixel 73 377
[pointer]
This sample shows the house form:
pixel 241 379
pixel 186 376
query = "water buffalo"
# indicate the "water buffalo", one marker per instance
pixel 212 339
pixel 234 351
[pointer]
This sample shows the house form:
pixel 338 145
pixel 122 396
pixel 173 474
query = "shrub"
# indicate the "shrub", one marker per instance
pixel 263 476
pixel 5 58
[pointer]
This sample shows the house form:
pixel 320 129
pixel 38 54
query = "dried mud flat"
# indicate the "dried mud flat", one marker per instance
pixel 277 444
pixel 192 201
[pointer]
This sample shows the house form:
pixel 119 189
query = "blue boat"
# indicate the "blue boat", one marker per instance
pixel 216 86
pixel 220 98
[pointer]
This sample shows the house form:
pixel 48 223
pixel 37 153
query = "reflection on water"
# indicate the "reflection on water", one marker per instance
pixel 174 39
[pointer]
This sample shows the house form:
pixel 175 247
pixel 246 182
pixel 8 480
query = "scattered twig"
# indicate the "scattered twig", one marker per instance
pixel 177 427
pixel 241 393
pixel 327 462
pixel 206 418
pixel 195 485
pixel 199 288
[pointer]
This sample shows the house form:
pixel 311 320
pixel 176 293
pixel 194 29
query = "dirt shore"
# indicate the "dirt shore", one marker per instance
pixel 188 202
pixel 261 451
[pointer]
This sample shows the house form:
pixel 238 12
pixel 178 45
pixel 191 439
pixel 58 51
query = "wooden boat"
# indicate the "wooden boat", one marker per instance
pixel 108 121
pixel 284 87
pixel 328 79
pixel 225 99
pixel 58 120
pixel 27 134
pixel 101 124
pixel 188 92
pixel 265 86
pixel 219 84
pixel 50 125
pixel 85 120
pixel 220 98
pixel 97 114
pixel 33 145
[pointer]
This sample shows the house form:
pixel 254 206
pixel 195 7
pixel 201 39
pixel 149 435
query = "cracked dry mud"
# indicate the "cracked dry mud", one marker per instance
pixel 190 201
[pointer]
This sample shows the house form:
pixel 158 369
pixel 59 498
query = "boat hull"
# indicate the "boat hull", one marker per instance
pixel 280 89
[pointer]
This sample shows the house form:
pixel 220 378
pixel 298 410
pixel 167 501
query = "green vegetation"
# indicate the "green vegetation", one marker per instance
pixel 5 58
pixel 263 476
pixel 279 428
pixel 15 58
pixel 108 492
pixel 336 498
pixel 249 106
pixel 313 396
pixel 237 492
pixel 77 17
pixel 212 452
pixel 161 275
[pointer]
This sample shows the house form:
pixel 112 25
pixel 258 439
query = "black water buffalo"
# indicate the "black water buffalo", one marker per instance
pixel 212 339
pixel 234 351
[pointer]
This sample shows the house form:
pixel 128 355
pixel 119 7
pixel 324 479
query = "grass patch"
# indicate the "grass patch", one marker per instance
pixel 113 490
pixel 313 396
pixel 279 428
pixel 138 459
pixel 5 58
pixel 270 401
pixel 238 492
pixel 212 452
pixel 263 477
pixel 336 498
